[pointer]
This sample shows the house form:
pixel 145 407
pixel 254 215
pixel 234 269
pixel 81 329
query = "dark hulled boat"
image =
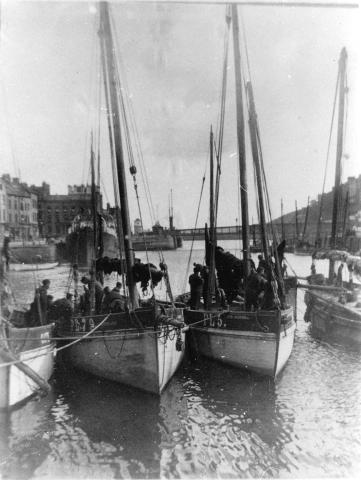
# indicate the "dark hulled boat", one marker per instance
pixel 334 305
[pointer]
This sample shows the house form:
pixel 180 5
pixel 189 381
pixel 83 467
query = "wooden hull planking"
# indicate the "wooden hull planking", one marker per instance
pixel 145 360
pixel 262 352
pixel 143 356
pixel 16 386
pixel 332 320
pixel 26 267
pixel 80 246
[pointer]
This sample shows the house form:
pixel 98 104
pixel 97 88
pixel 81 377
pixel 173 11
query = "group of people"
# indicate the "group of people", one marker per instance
pixel 38 314
pixel 106 300
pixel 260 291
pixel 44 309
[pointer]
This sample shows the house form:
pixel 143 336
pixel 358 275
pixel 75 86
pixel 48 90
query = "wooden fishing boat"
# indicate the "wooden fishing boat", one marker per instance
pixel 258 338
pixel 142 348
pixel 26 363
pixel 139 344
pixel 334 305
pixel 334 311
pixel 26 353
pixel 79 241
pixel 259 341
pixel 30 267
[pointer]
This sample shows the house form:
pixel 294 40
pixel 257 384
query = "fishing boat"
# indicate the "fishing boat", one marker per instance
pixel 29 253
pixel 334 305
pixel 258 338
pixel 32 267
pixel 26 353
pixel 140 344
pixel 79 241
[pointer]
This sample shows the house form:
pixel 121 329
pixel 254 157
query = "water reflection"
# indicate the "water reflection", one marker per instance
pixel 212 421
pixel 116 426
pixel 24 438
pixel 234 423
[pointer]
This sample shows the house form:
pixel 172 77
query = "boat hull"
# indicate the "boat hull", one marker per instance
pixel 142 358
pixel 27 267
pixel 32 253
pixel 257 341
pixel 35 349
pixel 331 320
pixel 80 246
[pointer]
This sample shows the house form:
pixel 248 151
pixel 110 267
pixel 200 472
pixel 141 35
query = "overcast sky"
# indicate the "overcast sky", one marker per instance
pixel 172 56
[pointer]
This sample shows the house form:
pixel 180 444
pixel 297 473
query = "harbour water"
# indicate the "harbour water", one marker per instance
pixel 211 421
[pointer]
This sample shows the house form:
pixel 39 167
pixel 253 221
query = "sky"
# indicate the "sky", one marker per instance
pixel 171 57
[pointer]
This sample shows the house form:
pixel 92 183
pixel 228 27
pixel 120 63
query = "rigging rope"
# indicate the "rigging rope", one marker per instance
pixel 220 132
pixel 319 220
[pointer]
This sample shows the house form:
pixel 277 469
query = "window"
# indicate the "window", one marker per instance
pixel 9 202
pixel 9 217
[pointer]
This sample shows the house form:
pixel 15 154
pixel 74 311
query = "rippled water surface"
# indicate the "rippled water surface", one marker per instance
pixel 212 421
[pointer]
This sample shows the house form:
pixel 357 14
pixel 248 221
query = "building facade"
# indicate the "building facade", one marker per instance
pixel 18 210
pixel 57 212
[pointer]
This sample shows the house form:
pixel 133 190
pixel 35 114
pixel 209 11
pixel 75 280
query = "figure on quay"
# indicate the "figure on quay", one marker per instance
pixel 196 286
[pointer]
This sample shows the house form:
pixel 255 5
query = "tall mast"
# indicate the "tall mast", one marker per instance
pixel 241 140
pixel 318 239
pixel 256 161
pixel 306 219
pixel 339 151
pixel 93 201
pixel 296 215
pixel 95 231
pixel 212 224
pixel 107 45
pixel 345 218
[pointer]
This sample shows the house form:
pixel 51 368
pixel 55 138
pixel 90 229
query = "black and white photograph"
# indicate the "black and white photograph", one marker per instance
pixel 180 237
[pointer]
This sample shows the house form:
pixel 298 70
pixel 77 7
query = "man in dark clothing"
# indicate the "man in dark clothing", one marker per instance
pixel 196 285
pixel 256 284
pixel 6 251
pixel 261 263
pixel 61 312
pixel 116 302
pixel 42 301
pixel 117 287
pixel 339 275
pixel 98 293
pixel 205 277
pixel 105 301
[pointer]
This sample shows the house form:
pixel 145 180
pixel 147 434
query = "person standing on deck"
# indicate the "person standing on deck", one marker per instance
pixel 205 277
pixel 98 292
pixel 261 263
pixel 41 300
pixel 196 285
pixel 339 275
pixel 256 284
pixel 313 268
